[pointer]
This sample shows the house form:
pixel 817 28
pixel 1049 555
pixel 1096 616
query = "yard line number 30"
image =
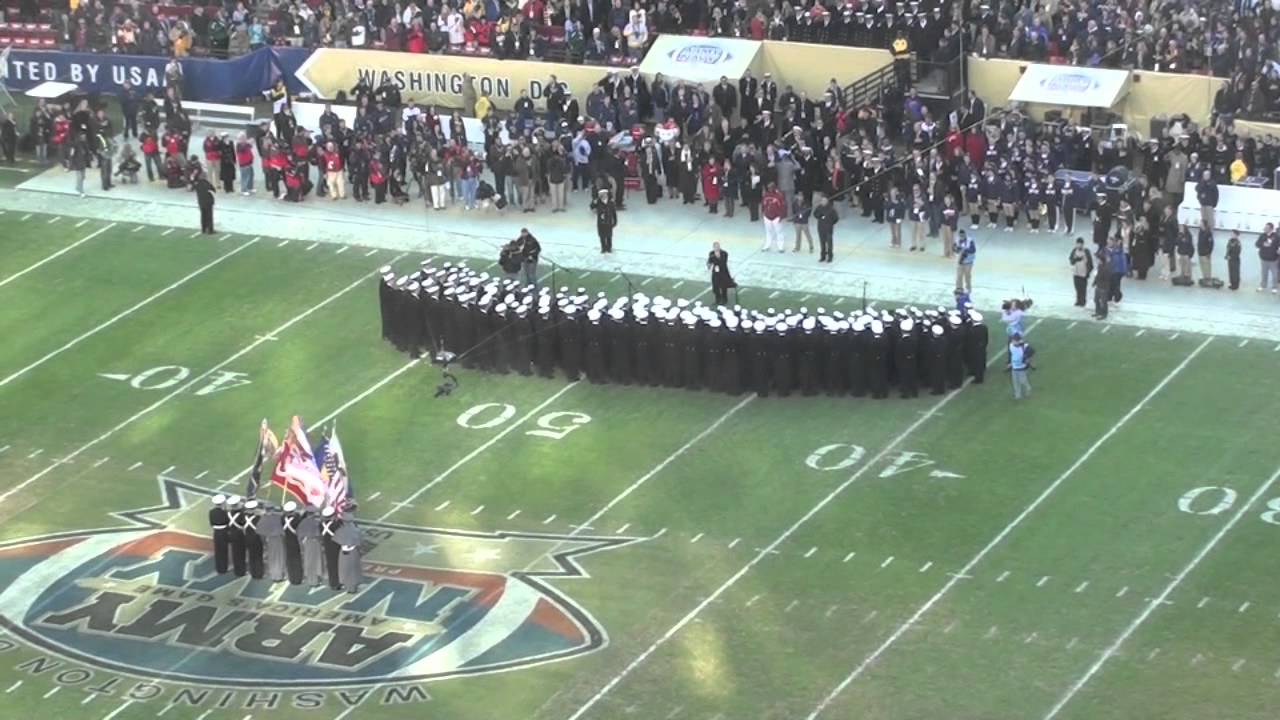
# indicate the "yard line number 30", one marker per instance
pixel 1214 500
pixel 555 425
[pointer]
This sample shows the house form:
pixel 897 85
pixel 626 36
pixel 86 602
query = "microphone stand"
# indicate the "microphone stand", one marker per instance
pixel 631 288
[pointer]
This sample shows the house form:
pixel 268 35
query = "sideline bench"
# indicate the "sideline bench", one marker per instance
pixel 217 114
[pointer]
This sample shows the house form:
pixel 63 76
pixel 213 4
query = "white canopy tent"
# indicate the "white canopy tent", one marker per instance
pixel 1070 85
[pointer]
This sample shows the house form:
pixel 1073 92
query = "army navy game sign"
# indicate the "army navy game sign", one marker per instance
pixel 138 612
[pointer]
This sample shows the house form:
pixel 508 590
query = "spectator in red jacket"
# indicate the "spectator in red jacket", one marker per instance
pixel 711 182
pixel 774 208
pixel 244 159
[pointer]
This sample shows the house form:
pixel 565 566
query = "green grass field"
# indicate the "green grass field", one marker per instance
pixel 1102 551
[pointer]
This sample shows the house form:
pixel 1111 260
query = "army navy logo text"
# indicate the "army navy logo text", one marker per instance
pixel 145 600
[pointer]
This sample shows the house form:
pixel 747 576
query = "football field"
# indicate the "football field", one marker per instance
pixel 566 551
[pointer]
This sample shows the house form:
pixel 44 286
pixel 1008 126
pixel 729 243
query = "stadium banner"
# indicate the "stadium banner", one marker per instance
pixel 1071 85
pixel 808 68
pixel 203 79
pixel 438 79
pixel 700 59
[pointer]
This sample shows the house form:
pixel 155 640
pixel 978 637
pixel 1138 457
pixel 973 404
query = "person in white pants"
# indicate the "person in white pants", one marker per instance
pixel 773 208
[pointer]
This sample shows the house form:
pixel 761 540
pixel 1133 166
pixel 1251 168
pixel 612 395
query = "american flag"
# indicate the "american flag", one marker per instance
pixel 296 471
pixel 334 471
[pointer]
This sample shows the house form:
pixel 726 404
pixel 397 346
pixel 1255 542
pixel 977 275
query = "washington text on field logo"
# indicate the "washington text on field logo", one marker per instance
pixel 143 599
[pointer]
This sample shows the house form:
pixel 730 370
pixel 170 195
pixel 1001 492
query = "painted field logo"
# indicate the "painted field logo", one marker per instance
pixel 701 55
pixel 1069 83
pixel 145 599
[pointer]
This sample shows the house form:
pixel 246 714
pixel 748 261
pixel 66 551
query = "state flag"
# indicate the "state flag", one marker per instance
pixel 296 471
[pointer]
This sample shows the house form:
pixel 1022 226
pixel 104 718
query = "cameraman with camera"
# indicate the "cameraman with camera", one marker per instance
pixel 510 260
pixel 1012 314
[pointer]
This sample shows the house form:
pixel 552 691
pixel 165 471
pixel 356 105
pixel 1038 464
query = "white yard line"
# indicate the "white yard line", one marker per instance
pixel 764 552
pixel 166 233
pixel 53 219
pixel 121 315
pixel 57 255
pixel 1158 600
pixel 491 442
pixel 343 249
pixel 82 223
pixel 999 538
pixel 118 710
pixel 191 383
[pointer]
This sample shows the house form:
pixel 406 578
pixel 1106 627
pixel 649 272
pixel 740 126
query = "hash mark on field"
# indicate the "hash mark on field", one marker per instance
pixel 1080 588
pixel 696 538
pixel 312 246
pixel 88 699
pixel 660 533
pixel 477 510
pixel 1174 336
pixel 193 234
pixel 282 243
pixel 1003 576
pixel 1197 659
pixel 53 691
pixel 167 232
pixel 375 495
pixel 371 252
pixel 1276 349
pixel 750 602
pixel 204 715
pixel 1073 324
pixel 831 610
pixel 443 505
pixel 1244 607
pixel 991 633
pixel 1073 642
pixel 1123 590
pixel 139 228
pixel 1152 655
pixel 202 474
pixel 117 711
pixel 615 277
pixel 343 249
pixel 82 223
pixel 584 276
pixel 671 715
pixel 548 520
pixel 54 219
pixel 849 557
pixel 135 466
pixel 925 567
pixel 1235 666
pixel 734 542
pixel 18 684
pixel 28 217
pixel 1243 343
pixel 812 550
pixel 805 298
pixel 102 462
pixel 1140 333
pixel 1203 601
pixel 36 453
pixel 1106 329
pixel 1030 638
pixel 1042 581
pixel 513 515
pixel 402 504
pixel 791 605
pixel 2 449
pixel 870 616
pixel 886 562
pixel 166 470
pixel 646 281
pixel 622 529
pixel 950 626
pixel 774 294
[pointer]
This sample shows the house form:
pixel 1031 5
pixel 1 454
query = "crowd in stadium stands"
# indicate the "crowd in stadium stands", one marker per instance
pixel 1198 36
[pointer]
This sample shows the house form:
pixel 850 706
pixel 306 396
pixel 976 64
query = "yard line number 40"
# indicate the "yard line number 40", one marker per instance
pixel 555 425
pixel 1214 500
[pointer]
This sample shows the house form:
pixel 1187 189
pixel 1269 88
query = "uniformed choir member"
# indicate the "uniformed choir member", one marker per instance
pixel 501 325
pixel 329 526
pixel 312 549
pixel 235 532
pixel 219 522
pixel 348 538
pixel 253 546
pixel 292 544
pixel 271 529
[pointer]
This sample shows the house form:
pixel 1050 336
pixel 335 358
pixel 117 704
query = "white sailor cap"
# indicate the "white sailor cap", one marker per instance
pixel 642 315
pixel 770 311
pixel 502 307
pixel 822 311
pixel 414 287
pixel 804 310
pixel 564 289
pixel 233 500
pixel 906 325
pixel 808 324
pixel 400 281
pixel 617 314
pixel 219 499
pixel 793 320
pixel 509 299
pixel 682 303
pixel 975 316
pixel 780 327
pixel 570 309
pixel 384 269
pixel 251 505
pixel 290 506
pixel 731 322
pixel 581 291
pixel 954 318
pixel 843 325
pixel 877 327
pixel 328 511
pixel 758 326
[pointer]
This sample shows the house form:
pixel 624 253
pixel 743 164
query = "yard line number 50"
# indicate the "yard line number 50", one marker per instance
pixel 1214 500
pixel 555 425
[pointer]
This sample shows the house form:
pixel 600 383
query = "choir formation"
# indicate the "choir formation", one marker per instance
pixel 456 314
